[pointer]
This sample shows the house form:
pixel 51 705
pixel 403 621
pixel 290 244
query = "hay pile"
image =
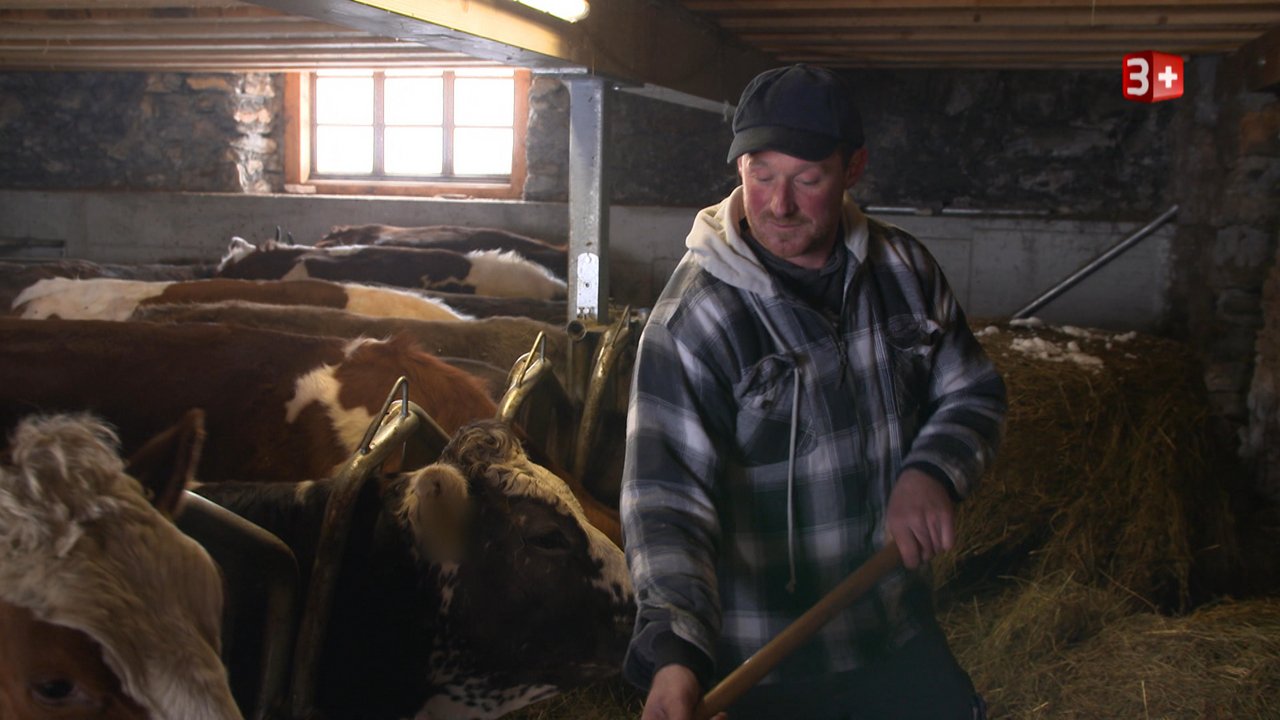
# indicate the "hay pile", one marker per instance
pixel 1105 473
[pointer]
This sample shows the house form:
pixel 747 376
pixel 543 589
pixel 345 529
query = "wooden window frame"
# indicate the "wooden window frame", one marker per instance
pixel 297 151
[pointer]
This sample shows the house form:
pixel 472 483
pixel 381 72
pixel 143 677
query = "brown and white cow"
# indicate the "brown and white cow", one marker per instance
pixel 107 611
pixel 480 272
pixel 496 340
pixel 116 299
pixel 16 277
pixel 278 406
pixel 552 256
pixel 469 588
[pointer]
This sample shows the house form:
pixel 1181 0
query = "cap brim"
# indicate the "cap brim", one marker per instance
pixel 796 143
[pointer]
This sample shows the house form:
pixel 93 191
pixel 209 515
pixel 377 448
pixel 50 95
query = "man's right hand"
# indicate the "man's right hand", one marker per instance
pixel 674 695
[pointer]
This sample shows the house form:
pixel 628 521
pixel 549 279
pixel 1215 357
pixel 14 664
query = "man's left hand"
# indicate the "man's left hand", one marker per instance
pixel 921 517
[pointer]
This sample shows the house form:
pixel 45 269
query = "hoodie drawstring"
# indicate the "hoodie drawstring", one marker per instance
pixel 791 479
pixel 795 424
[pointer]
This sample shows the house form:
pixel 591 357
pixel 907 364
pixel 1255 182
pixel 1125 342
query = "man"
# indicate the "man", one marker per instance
pixel 806 388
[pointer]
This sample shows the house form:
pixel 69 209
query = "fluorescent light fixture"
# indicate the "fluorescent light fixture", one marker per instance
pixel 568 10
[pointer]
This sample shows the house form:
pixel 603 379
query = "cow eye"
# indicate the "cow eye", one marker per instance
pixel 56 691
pixel 552 539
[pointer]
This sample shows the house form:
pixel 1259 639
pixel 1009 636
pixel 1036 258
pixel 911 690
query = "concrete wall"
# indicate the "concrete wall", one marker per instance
pixel 995 265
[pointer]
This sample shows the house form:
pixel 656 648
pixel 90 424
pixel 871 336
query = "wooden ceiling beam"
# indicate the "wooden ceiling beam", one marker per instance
pixel 923 35
pixel 729 7
pixel 1101 18
pixel 628 41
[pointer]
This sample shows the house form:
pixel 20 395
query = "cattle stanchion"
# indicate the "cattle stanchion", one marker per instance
pixel 610 351
pixel 257 565
pixel 534 383
pixel 399 422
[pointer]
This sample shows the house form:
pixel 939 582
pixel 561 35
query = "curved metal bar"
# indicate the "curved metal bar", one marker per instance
pixel 528 371
pixel 395 425
pixel 612 346
pixel 256 564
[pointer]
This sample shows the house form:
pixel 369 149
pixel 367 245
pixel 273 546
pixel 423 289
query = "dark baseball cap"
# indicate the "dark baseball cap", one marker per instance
pixel 802 110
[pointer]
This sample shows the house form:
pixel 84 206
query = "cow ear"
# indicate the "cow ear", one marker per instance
pixel 437 507
pixel 166 464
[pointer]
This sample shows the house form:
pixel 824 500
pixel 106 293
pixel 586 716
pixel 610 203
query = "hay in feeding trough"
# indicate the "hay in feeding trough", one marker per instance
pixel 1061 649
pixel 1105 473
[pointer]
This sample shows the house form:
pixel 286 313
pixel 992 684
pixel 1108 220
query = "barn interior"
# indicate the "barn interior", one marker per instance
pixel 152 132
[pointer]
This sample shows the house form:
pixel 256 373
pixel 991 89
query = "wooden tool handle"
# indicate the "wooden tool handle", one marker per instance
pixel 750 672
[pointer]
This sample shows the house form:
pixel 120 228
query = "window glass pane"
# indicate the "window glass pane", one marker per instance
pixel 414 101
pixel 483 101
pixel 344 100
pixel 414 151
pixel 344 150
pixel 482 151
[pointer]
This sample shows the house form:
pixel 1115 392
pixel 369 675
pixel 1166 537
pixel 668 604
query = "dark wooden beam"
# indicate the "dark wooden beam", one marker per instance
pixel 1259 61
pixel 638 42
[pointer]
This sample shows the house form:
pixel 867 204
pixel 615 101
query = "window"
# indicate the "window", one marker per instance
pixel 432 131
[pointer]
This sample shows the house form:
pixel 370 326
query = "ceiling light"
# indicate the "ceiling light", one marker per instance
pixel 568 10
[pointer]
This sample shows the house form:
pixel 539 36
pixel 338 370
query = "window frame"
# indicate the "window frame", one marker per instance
pixel 299 177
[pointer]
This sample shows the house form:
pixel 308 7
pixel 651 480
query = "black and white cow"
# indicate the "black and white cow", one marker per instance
pixel 481 272
pixel 461 238
pixel 470 588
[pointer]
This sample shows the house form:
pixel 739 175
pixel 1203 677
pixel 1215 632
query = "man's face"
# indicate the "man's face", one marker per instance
pixel 793 205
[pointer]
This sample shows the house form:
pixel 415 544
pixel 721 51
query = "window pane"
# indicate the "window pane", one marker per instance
pixel 344 150
pixel 483 101
pixel 482 151
pixel 414 151
pixel 414 101
pixel 344 100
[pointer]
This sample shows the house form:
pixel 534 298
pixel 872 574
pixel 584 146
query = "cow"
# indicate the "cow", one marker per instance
pixel 278 406
pixel 498 341
pixel 16 277
pixel 106 609
pixel 113 299
pixel 480 272
pixel 469 588
pixel 482 306
pixel 552 256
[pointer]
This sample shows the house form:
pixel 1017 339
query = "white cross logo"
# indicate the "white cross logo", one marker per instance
pixel 1167 76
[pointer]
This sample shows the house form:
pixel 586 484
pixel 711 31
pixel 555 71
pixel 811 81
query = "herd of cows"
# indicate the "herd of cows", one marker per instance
pixel 467 582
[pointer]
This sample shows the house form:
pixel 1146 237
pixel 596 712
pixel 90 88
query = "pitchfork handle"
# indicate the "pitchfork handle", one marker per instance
pixel 754 668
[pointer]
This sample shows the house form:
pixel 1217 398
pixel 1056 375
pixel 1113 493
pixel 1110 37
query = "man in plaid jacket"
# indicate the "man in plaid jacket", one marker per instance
pixel 806 388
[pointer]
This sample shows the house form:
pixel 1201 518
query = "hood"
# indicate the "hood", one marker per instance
pixel 720 249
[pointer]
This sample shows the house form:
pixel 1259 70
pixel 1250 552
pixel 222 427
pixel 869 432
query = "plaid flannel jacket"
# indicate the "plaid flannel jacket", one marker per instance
pixel 739 385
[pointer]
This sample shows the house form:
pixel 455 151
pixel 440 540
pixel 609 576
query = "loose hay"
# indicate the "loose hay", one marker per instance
pixel 1105 473
pixel 1065 650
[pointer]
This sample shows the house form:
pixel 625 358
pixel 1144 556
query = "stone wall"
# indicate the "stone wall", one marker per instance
pixel 1261 443
pixel 1227 185
pixel 1062 143
pixel 138 131
pixel 658 153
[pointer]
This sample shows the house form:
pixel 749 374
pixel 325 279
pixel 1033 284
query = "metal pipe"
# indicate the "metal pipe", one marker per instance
pixel 1094 265
pixel 258 567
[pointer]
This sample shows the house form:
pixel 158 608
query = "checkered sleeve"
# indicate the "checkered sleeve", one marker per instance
pixel 966 396
pixel 668 512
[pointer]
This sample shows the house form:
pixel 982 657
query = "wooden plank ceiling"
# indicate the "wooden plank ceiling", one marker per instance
pixel 238 36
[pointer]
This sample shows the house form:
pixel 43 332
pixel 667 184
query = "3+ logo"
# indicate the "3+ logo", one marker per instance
pixel 1151 76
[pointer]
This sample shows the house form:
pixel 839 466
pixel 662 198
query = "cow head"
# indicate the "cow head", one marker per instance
pixel 237 250
pixel 106 610
pixel 533 599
